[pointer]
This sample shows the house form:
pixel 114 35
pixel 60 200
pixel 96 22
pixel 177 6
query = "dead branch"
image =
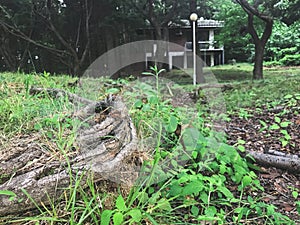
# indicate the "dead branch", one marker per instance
pixel 286 162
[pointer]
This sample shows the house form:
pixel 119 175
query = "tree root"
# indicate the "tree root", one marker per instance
pixel 38 173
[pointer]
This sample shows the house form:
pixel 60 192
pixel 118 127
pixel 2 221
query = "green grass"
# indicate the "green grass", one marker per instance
pixel 197 185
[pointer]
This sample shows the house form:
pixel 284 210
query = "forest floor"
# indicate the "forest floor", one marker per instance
pixel 281 186
pixel 265 117
pixel 262 116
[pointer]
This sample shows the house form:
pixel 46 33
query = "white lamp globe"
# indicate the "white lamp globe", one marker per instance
pixel 193 17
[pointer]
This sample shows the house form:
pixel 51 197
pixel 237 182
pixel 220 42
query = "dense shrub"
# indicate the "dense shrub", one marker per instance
pixel 283 44
pixel 290 60
pixel 272 63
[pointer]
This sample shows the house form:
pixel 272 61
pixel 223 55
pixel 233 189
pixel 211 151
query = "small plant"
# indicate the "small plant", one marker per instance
pixel 292 100
pixel 155 73
pixel 244 114
pixel 281 125
pixel 205 180
pixel 278 125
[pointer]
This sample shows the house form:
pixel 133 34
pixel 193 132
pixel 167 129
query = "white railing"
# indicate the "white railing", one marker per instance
pixel 210 23
pixel 203 45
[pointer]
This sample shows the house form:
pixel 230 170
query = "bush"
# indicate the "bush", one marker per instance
pixel 290 60
pixel 272 63
pixel 288 51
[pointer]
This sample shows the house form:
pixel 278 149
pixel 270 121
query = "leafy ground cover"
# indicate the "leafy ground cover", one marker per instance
pixel 264 117
pixel 203 180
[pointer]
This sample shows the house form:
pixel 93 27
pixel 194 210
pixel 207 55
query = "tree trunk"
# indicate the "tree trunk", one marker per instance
pixel 260 42
pixel 258 61
pixel 34 171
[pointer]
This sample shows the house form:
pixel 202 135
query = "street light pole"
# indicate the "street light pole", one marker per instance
pixel 194 17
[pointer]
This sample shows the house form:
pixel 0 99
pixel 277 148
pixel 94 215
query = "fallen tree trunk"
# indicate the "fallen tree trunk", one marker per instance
pixel 33 168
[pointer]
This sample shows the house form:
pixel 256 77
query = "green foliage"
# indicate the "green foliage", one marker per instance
pixel 10 194
pixel 290 60
pixel 284 43
pixel 210 182
pixel 202 184
pixel 22 112
pixel 241 48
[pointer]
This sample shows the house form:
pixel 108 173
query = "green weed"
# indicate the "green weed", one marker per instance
pixel 202 180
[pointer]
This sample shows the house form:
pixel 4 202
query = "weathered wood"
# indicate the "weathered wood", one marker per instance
pixel 34 165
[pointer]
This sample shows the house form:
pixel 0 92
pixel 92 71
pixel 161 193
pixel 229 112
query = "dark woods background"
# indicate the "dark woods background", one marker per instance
pixel 66 36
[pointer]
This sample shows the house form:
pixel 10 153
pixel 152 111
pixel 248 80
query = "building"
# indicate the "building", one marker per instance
pixel 181 34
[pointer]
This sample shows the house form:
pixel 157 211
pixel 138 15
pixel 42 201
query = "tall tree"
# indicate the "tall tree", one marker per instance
pixel 45 16
pixel 60 33
pixel 75 49
pixel 260 41
pixel 266 12
pixel 14 51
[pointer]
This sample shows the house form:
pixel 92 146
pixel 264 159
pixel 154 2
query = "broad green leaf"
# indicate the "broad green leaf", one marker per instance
pixel 194 154
pixel 274 127
pixel 146 108
pixel 241 142
pixel 246 180
pixel 277 119
pixel 225 191
pixel 195 211
pixel 241 148
pixel 284 132
pixel 204 197
pixel 37 126
pixel 175 189
pixel 210 211
pixel 143 197
pixel 120 203
pixel 136 215
pixel 153 100
pixel 284 124
pixel 173 123
pixel 263 123
pixel 112 91
pixel 288 96
pixel 118 218
pixel 138 104
pixel 235 200
pixel 11 194
pixel 222 169
pixel 193 188
pixel 284 142
pixel 270 210
pixel 298 206
pixel 208 218
pixel 164 204
pixel 105 217
pixel 295 194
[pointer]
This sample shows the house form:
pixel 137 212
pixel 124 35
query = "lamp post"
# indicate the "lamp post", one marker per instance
pixel 194 17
